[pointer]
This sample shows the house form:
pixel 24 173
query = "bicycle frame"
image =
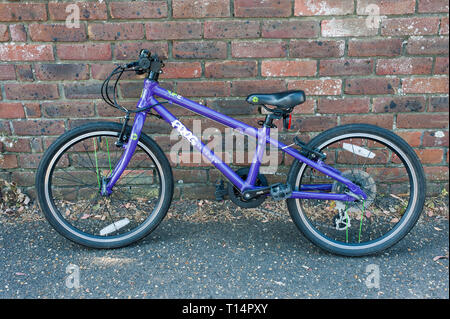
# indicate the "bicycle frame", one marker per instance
pixel 152 89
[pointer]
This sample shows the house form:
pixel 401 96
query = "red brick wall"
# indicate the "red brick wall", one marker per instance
pixel 219 51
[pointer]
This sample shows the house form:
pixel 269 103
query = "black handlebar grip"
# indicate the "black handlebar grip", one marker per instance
pixel 144 53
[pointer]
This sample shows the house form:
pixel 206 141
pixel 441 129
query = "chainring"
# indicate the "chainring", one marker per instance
pixel 236 196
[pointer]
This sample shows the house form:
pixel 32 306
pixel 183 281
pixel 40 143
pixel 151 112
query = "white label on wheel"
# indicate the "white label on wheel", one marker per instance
pixel 114 226
pixel 358 150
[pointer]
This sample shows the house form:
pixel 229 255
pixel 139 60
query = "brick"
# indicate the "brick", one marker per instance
pixel 32 110
pixel 88 51
pixel 430 156
pixel 23 178
pixel 173 30
pixel 404 66
pixel 306 107
pixel 438 104
pixel 431 6
pixel 29 160
pixel 134 89
pixel 4 34
pixel 258 49
pixel 31 91
pixel 441 65
pixel 428 46
pixel 7 72
pixel 130 50
pixel 231 29
pixel 425 85
pixel 378 47
pixel 15 144
pixel 410 26
pixel 323 8
pixel 343 105
pixel 290 29
pixel 371 86
pixel 346 67
pixel 354 27
pixel 247 87
pixel 190 175
pixel 288 68
pixel 201 88
pixel 26 52
pixel 262 8
pixel 436 173
pixel 102 71
pixel 88 10
pixel 68 109
pixel 199 50
pixel 8 161
pixel 444 26
pixel 24 73
pixel 316 49
pixel 11 110
pixel 313 123
pixel 138 10
pixel 417 121
pixel 232 107
pixel 382 120
pixel 82 90
pixel 38 127
pixel 4 128
pixel 387 7
pixel 182 70
pixel 22 12
pixel 116 31
pixel 317 86
pixel 200 9
pixel 18 32
pixel 78 122
pixel 435 138
pixel 56 33
pixel 61 72
pixel 231 69
pixel 412 138
pixel 399 104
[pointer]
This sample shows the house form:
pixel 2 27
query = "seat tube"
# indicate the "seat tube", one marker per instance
pixel 257 157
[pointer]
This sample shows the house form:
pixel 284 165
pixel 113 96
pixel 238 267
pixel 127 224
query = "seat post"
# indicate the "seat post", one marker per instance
pixel 268 122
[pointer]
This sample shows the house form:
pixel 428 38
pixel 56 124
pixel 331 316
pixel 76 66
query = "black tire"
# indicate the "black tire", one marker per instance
pixel 410 214
pixel 56 219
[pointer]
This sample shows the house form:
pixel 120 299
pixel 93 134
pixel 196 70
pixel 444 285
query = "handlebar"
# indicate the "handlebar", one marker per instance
pixel 147 64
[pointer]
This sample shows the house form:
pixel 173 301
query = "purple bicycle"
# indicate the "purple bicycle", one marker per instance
pixel 352 190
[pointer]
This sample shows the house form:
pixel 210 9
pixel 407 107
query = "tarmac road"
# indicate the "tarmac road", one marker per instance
pixel 240 259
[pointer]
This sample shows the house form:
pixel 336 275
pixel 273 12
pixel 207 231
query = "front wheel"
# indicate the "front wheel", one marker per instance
pixel 70 176
pixel 385 167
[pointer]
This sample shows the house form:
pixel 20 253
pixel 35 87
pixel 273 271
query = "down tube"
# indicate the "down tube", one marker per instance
pixel 205 151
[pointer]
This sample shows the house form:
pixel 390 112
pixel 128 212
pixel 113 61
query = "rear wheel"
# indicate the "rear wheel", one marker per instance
pixel 385 167
pixel 69 179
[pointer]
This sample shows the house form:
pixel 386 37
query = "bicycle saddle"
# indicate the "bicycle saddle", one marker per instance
pixel 283 100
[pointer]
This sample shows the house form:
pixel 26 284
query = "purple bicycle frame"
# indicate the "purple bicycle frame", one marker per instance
pixel 152 89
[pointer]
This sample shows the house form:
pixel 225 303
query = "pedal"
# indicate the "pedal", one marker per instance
pixel 280 191
pixel 220 191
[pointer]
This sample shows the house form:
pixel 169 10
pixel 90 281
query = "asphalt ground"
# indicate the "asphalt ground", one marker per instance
pixel 238 258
